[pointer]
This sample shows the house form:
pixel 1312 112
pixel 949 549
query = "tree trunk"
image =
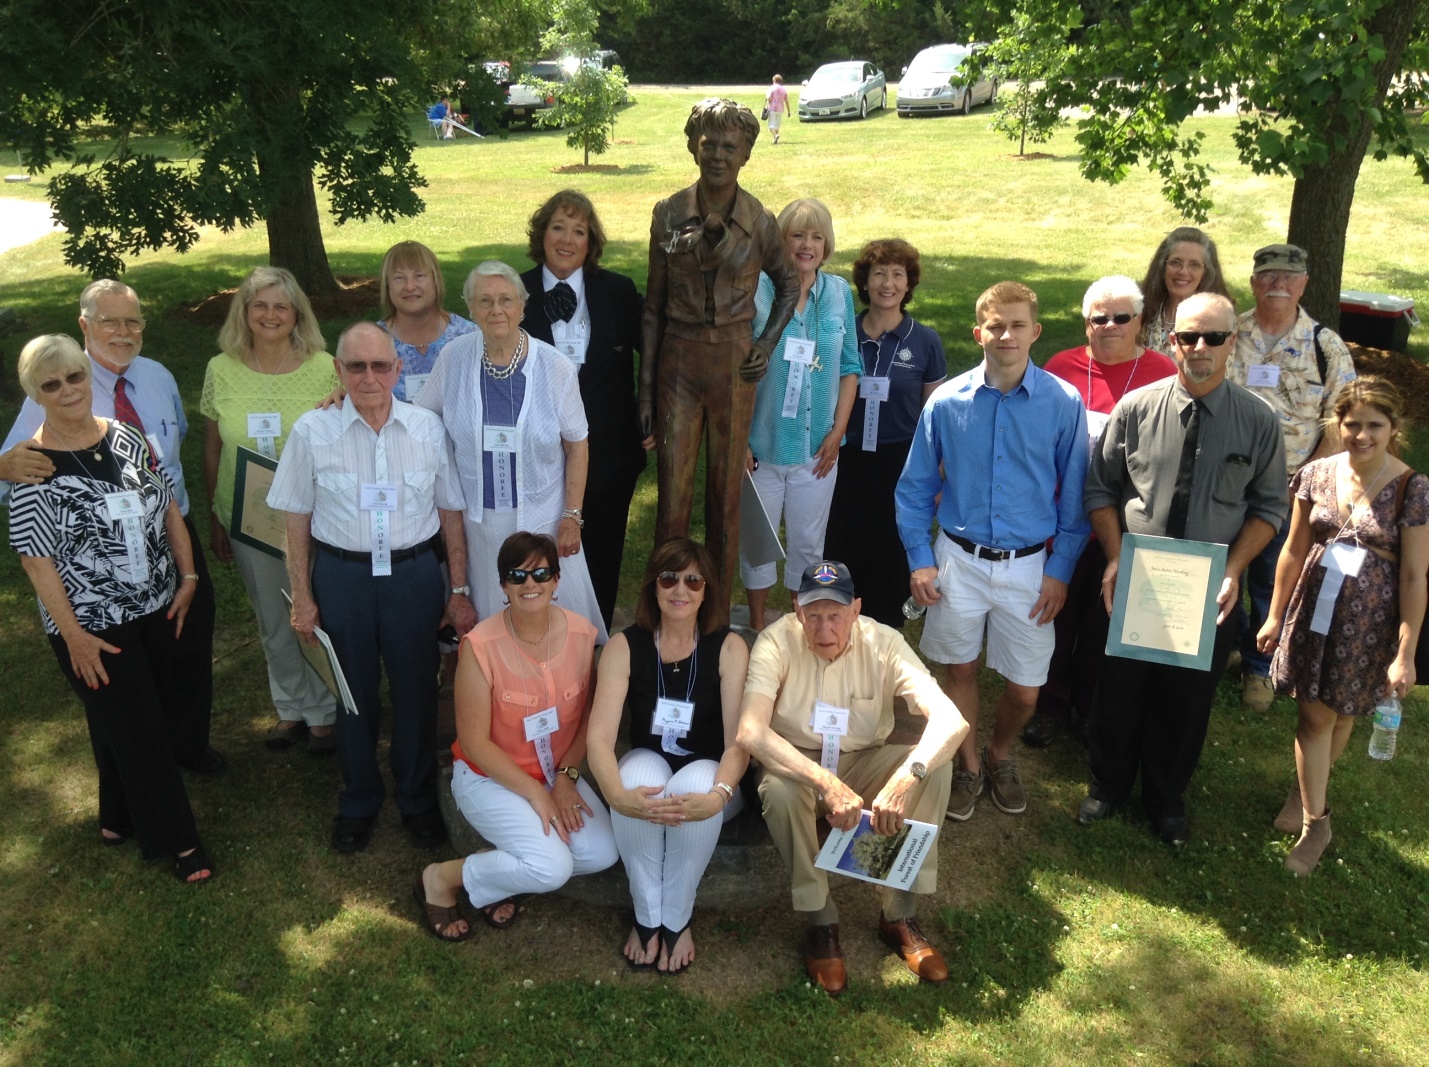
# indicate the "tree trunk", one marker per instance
pixel 295 234
pixel 1324 193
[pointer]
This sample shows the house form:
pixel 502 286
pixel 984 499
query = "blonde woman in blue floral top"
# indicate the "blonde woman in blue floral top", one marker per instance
pixel 413 295
pixel 802 405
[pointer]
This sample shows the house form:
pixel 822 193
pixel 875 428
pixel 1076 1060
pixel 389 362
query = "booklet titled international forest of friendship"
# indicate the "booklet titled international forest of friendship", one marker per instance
pixel 870 856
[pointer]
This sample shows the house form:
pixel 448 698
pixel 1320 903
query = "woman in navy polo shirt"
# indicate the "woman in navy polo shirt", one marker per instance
pixel 903 363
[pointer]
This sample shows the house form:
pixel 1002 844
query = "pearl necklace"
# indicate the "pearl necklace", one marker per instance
pixel 500 374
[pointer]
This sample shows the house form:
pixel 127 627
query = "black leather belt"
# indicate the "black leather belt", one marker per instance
pixel 994 555
pixel 400 555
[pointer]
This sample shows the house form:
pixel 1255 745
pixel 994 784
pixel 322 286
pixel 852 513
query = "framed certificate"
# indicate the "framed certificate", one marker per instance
pixel 1164 608
pixel 254 522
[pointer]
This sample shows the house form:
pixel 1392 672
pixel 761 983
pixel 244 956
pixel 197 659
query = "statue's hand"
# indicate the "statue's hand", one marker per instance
pixel 645 411
pixel 754 367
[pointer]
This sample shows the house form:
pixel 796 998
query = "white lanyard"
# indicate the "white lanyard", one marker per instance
pixel 673 719
pixel 875 388
pixel 126 507
pixel 831 722
pixel 1340 561
pixel 1096 425
pixel 540 725
pixel 799 353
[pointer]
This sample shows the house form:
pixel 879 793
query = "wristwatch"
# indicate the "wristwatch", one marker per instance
pixel 918 770
pixel 461 590
pixel 573 773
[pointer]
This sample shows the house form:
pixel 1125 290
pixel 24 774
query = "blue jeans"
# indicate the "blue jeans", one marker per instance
pixel 1260 583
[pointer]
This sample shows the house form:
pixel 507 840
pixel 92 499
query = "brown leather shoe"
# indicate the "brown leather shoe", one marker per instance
pixel 824 959
pixel 905 938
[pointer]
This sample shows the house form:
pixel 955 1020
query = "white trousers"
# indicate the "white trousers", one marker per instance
pixel 791 491
pixel 525 859
pixel 666 863
pixel 297 692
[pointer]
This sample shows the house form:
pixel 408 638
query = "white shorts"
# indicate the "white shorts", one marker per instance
pixel 775 118
pixel 978 591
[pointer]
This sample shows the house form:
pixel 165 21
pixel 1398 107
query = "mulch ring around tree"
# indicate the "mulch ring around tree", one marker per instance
pixel 587 168
pixel 357 297
pixel 1407 374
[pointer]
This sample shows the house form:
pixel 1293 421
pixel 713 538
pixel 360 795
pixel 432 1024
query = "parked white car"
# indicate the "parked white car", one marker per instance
pixel 926 89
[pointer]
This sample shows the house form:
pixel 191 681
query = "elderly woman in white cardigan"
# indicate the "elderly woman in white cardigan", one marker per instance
pixel 512 408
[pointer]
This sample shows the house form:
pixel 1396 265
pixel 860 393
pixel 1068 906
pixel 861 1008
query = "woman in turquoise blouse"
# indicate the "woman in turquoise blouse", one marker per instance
pixel 802 405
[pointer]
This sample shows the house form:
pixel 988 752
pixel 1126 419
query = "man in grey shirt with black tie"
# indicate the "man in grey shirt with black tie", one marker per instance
pixel 1195 457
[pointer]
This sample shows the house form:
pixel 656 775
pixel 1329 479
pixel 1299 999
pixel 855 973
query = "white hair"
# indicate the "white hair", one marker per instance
pixel 493 268
pixel 89 299
pixel 1113 287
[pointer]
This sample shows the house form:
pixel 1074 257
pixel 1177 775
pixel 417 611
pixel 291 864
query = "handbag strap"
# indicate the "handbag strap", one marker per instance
pixel 1399 494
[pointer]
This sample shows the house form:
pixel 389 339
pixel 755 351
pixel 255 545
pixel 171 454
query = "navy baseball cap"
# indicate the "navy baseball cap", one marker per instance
pixel 826 580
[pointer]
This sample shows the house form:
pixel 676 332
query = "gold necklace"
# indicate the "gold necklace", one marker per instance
pixel 64 440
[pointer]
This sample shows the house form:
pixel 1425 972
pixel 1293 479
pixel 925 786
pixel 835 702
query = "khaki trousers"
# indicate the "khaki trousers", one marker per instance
pixel 792 809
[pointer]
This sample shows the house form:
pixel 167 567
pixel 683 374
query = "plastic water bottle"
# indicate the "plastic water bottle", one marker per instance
pixel 1386 728
pixel 914 610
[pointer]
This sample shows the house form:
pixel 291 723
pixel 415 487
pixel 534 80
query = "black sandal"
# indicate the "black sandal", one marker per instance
pixel 646 933
pixel 112 842
pixel 668 940
pixel 488 912
pixel 195 861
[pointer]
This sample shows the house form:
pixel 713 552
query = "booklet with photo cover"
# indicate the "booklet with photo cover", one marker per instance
pixel 871 857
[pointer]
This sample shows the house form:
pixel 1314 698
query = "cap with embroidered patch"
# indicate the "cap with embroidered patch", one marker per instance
pixel 1281 257
pixel 826 580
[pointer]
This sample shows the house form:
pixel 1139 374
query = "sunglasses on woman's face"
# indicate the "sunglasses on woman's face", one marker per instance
pixel 518 575
pixel 669 579
pixel 1121 318
pixel 74 377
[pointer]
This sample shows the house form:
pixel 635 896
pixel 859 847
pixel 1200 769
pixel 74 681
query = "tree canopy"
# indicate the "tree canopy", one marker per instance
pixel 267 99
pixel 1316 85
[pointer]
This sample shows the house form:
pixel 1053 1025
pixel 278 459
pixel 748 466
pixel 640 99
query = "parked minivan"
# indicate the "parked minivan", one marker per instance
pixel 925 88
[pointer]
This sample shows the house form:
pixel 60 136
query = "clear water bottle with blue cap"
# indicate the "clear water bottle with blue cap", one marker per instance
pixel 1386 727
pixel 914 610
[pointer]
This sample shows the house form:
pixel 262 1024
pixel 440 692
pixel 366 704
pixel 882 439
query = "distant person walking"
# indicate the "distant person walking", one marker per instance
pixel 776 105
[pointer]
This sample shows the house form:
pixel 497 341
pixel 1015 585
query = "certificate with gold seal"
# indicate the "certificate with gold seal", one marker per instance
pixel 1164 608
pixel 254 522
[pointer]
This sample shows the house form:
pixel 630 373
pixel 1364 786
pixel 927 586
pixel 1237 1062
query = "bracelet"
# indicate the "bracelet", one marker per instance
pixel 726 790
pixel 188 577
pixel 461 590
pixel 574 513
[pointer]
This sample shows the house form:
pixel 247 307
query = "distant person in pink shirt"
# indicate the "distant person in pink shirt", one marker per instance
pixel 776 105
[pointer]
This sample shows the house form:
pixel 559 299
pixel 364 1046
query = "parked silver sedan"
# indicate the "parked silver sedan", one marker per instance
pixel 926 87
pixel 843 90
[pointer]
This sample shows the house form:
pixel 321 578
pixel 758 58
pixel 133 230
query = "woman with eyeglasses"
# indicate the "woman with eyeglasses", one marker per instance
pixel 1184 263
pixel 1102 371
pixel 253 392
pixel 104 545
pixel 523 691
pixel 682 678
pixel 512 408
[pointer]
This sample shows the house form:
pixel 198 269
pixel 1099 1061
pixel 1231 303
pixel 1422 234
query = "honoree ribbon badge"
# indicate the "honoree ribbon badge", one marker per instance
pixel 128 510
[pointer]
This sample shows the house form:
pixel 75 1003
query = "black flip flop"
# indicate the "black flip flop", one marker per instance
pixel 646 933
pixel 195 861
pixel 668 939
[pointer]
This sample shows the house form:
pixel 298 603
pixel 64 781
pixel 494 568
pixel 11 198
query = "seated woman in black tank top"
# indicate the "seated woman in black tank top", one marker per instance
pixel 682 678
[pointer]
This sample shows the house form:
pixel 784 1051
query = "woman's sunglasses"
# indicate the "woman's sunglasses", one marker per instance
pixel 1121 318
pixel 518 575
pixel 74 377
pixel 669 579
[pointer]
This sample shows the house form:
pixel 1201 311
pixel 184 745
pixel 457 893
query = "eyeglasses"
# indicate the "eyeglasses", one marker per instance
pixel 109 325
pixel 1121 318
pixel 518 575
pixel 1214 338
pixel 359 367
pixel 669 579
pixel 74 377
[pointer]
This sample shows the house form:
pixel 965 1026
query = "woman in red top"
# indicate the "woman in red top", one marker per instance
pixel 523 693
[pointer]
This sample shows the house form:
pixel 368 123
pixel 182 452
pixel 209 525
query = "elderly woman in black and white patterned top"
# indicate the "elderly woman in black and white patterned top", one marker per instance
pixel 105 547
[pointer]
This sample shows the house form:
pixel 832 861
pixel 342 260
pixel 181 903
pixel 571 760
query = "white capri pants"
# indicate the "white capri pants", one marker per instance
pixel 979 594
pixel 525 860
pixel 790 490
pixel 665 863
pixel 297 692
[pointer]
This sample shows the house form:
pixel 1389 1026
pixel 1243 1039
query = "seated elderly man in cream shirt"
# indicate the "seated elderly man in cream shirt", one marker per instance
pixel 826 653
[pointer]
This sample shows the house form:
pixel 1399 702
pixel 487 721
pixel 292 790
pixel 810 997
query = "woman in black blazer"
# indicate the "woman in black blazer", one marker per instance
pixel 592 316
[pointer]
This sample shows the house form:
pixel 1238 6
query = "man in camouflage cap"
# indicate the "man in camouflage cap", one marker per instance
pixel 1298 367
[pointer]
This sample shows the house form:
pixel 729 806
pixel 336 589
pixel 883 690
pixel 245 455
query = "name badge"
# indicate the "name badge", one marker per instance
pixel 1096 426
pixel 1263 376
pixel 873 388
pixel 798 350
pixel 670 714
pixel 1345 558
pixel 541 724
pixel 126 505
pixel 412 385
pixel 829 720
pixel 265 424
pixel 498 438
pixel 379 496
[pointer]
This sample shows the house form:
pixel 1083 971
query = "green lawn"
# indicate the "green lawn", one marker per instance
pixel 1067 947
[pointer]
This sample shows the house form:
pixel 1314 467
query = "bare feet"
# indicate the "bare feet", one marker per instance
pixel 642 954
pixel 435 891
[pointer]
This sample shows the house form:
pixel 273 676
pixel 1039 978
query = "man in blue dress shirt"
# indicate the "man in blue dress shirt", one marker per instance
pixel 1006 447
pixel 140 391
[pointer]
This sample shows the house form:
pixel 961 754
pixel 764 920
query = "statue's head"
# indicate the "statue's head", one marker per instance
pixel 715 115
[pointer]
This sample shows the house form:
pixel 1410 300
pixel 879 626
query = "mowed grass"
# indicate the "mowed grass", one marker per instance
pixel 1067 946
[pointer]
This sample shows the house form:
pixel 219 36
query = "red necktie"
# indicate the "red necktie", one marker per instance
pixel 125 413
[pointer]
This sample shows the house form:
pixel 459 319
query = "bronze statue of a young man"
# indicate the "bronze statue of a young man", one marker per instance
pixel 700 362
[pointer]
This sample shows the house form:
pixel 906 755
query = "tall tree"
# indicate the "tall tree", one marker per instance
pixel 268 101
pixel 1316 85
pixel 588 101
